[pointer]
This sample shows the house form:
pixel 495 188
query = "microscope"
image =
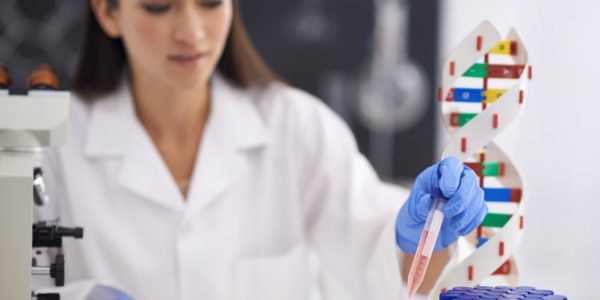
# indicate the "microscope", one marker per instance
pixel 28 123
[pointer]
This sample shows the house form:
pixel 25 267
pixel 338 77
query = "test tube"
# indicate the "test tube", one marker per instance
pixel 427 242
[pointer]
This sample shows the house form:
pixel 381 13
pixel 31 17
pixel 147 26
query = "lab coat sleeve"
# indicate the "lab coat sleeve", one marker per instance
pixel 350 213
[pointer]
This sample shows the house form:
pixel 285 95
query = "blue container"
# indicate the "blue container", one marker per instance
pixel 517 292
pixel 451 295
pixel 509 297
pixel 499 293
pixel 542 292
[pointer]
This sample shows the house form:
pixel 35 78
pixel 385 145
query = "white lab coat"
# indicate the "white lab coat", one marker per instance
pixel 277 176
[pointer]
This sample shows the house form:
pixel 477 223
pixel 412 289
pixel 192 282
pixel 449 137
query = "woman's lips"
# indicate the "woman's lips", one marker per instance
pixel 188 60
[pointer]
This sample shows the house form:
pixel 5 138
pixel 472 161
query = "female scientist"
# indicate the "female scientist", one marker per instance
pixel 198 175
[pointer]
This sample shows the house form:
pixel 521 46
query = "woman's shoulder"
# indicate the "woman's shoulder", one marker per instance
pixel 89 113
pixel 291 111
pixel 80 104
pixel 79 113
pixel 282 101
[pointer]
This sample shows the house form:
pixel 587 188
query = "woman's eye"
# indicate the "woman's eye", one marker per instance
pixel 156 9
pixel 212 3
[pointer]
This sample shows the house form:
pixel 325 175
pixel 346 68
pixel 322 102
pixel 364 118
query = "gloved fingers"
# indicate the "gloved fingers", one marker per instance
pixel 446 236
pixel 449 238
pixel 450 170
pixel 464 195
pixel 421 208
pixel 461 220
pixel 476 204
pixel 423 183
pixel 406 244
pixel 475 221
pixel 407 231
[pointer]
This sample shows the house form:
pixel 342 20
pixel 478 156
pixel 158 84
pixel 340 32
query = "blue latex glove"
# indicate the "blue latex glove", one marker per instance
pixel 464 210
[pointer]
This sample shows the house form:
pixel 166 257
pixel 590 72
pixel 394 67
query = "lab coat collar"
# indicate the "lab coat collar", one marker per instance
pixel 234 125
pixel 233 115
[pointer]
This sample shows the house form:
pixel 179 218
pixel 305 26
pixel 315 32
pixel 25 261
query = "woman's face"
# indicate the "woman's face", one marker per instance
pixel 177 42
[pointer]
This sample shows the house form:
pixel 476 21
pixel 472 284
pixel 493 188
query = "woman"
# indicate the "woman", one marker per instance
pixel 197 175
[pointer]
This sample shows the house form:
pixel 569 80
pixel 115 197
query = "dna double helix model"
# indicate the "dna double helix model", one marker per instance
pixel 482 91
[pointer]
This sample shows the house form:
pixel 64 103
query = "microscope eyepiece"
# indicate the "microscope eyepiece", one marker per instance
pixel 43 77
pixel 5 80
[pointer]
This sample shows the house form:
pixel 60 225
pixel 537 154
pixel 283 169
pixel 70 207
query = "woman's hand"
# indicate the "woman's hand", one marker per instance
pixel 464 210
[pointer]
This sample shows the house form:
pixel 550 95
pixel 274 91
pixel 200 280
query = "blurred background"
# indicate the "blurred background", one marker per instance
pixel 332 49
pixel 376 63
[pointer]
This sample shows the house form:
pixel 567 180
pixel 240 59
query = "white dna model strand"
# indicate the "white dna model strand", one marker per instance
pixel 483 90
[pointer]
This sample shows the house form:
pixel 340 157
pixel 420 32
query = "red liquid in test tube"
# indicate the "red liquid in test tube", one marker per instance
pixel 427 242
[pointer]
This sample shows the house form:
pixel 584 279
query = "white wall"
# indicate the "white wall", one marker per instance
pixel 556 141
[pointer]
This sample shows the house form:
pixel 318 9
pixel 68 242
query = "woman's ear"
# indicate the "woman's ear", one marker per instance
pixel 107 17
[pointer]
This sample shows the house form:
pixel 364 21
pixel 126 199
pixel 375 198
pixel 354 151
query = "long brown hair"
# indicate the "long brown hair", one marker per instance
pixel 103 59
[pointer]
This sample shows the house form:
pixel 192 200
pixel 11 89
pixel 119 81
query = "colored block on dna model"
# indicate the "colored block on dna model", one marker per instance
pixel 506 47
pixel 476 70
pixel 492 169
pixel 468 95
pixel 502 194
pixel 504 269
pixel 499 292
pixel 491 95
pixel 495 220
pixel 481 241
pixel 482 70
pixel 460 119
pixel 505 71
pixel 475 166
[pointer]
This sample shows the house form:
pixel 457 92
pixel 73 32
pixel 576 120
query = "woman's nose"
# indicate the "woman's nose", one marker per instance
pixel 189 28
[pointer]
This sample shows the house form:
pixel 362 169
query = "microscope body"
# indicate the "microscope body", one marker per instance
pixel 27 123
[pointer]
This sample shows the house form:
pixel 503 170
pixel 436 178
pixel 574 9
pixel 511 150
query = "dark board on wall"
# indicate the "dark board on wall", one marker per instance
pixel 340 41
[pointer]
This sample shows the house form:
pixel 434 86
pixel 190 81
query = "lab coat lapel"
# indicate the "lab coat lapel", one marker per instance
pixel 116 133
pixel 145 173
pixel 234 127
